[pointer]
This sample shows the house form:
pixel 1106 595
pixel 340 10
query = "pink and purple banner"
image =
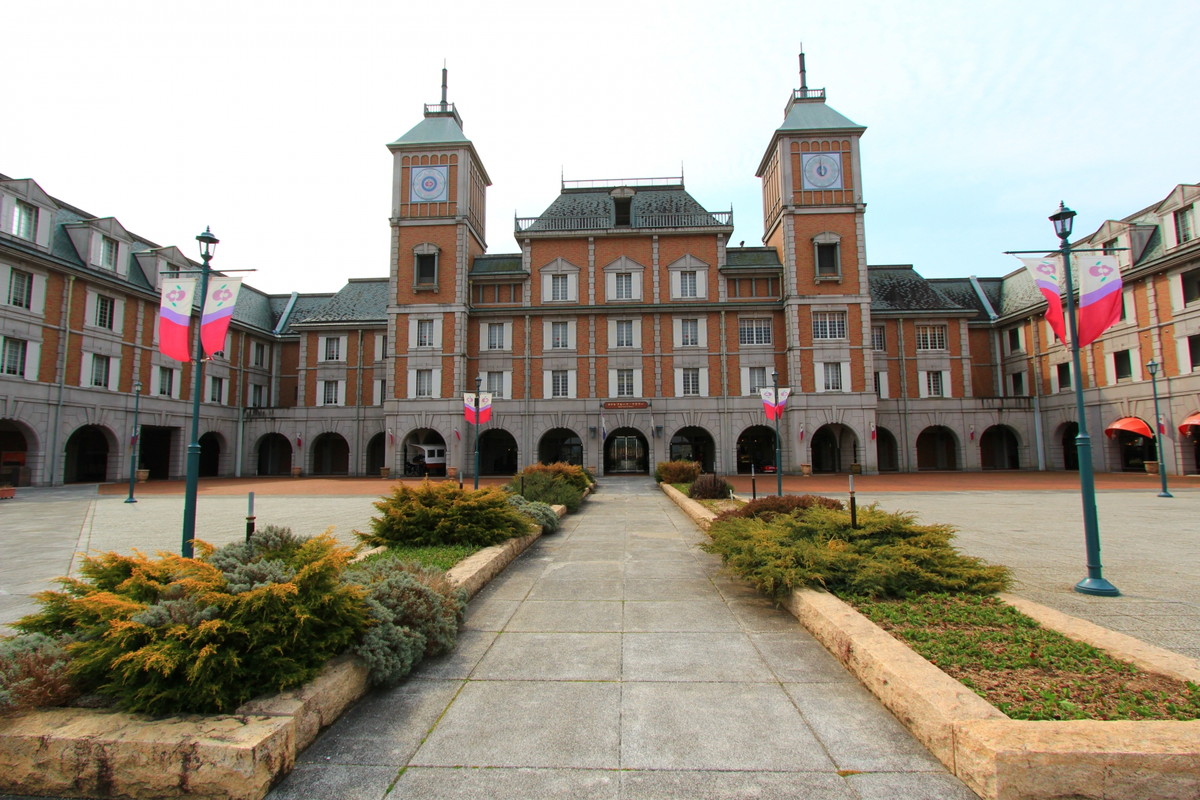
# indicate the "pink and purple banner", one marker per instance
pixel 772 405
pixel 485 408
pixel 174 315
pixel 1099 296
pixel 218 312
pixel 1045 272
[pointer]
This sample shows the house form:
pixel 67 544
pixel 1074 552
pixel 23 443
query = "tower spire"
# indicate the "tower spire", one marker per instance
pixel 803 71
pixel 444 85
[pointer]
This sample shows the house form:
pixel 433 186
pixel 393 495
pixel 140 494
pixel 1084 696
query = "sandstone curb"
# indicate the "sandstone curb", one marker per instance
pixel 69 752
pixel 997 757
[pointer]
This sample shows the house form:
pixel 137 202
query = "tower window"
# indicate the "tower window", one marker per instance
pixel 623 207
pixel 425 266
pixel 827 255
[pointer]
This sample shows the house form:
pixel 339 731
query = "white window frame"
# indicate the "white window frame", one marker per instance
pixel 618 380
pixel 105 312
pixel 418 375
pixel 559 335
pixel 432 251
pixel 495 337
pixel 1056 382
pixel 689 332
pixel 324 347
pixel 828 239
pixel 173 382
pixel 261 354
pixel 333 393
pixel 879 338
pixel 259 395
pixel 753 381
pixel 20 296
pixel 568 292
pixel 755 331
pixel 26 217
pixel 498 383
pixel 624 333
pixel 932 337
pixel 1185 224
pixel 832 377
pixel 881 384
pixel 380 390
pixel 697 270
pixel 927 380
pixel 691 382
pixel 14 357
pixel 828 325
pixel 559 384
pixel 90 363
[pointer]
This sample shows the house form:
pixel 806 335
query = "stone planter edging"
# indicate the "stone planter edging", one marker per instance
pixel 1001 758
pixel 76 752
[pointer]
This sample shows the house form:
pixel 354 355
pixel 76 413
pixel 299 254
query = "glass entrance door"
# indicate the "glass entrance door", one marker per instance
pixel 626 454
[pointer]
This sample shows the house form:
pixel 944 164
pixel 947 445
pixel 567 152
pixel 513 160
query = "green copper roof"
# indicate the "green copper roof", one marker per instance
pixel 752 258
pixel 434 130
pixel 812 115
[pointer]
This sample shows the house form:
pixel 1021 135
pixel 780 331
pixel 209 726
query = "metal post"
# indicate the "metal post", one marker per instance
pixel 250 518
pixel 753 482
pixel 1094 583
pixel 853 505
pixel 134 441
pixel 1162 466
pixel 207 242
pixel 478 384
pixel 778 443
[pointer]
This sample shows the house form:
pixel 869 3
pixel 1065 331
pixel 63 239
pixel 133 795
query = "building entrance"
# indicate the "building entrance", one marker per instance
pixel 625 452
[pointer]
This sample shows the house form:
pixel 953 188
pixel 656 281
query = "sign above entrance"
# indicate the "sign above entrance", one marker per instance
pixel 620 404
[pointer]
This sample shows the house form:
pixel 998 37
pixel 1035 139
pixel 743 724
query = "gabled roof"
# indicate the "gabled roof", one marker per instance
pixel 900 288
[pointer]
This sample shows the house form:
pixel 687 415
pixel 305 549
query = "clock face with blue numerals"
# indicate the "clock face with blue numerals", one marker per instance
pixel 822 170
pixel 429 185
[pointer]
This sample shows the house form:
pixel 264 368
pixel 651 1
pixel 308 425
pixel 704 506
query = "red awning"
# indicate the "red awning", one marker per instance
pixel 1131 424
pixel 1192 420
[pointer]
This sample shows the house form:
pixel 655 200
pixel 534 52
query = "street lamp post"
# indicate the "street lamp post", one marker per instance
pixel 478 385
pixel 134 441
pixel 1094 583
pixel 1152 368
pixel 208 244
pixel 778 444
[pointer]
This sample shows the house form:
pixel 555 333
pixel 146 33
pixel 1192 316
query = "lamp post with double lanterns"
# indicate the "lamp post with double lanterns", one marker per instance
pixel 1152 367
pixel 134 441
pixel 208 245
pixel 778 443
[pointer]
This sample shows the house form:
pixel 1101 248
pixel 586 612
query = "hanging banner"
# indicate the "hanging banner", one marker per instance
pixel 772 405
pixel 1045 272
pixel 218 311
pixel 1099 296
pixel 174 314
pixel 485 408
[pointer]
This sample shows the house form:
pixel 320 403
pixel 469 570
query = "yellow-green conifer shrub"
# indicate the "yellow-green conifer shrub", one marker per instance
pixel 441 513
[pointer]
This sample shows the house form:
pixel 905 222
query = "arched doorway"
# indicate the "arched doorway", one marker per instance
pixel 424 452
pixel 87 456
pixel 376 454
pixel 756 448
pixel 887 453
pixel 14 454
pixel 274 455
pixel 1133 444
pixel 937 449
pixel 1069 448
pixel 694 443
pixel 497 453
pixel 210 455
pixel 834 448
pixel 330 455
pixel 626 451
pixel 560 446
pixel 998 448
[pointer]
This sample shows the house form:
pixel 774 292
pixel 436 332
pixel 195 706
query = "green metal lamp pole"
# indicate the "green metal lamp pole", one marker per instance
pixel 208 243
pixel 1094 583
pixel 134 441
pixel 778 444
pixel 478 384
pixel 1152 367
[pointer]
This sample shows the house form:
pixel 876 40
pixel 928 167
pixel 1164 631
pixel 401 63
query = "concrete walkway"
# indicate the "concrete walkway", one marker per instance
pixel 615 660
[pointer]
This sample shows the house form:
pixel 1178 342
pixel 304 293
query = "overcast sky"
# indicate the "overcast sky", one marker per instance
pixel 269 121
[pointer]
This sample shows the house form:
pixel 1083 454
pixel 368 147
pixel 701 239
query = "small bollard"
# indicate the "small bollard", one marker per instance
pixel 250 518
pixel 853 505
pixel 753 483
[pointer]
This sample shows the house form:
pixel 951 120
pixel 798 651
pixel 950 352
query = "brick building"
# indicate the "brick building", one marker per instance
pixel 623 330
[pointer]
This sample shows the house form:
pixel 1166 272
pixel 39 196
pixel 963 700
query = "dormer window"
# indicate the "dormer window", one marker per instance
pixel 108 253
pixel 25 220
pixel 623 207
pixel 1185 225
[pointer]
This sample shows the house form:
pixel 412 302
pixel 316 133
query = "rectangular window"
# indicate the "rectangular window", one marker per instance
pixel 260 354
pixel 426 268
pixel 829 324
pixel 758 379
pixel 424 383
pixel 624 290
pixel 1064 376
pixel 1194 351
pixel 1014 340
pixel 108 253
pixel 1184 225
pixel 1110 247
pixel 1018 384
pixel 754 331
pixel 625 383
pixel 424 333
pixel 104 312
pixel 495 336
pixel 933 384
pixel 25 220
pixel 559 336
pixel 216 388
pixel 1191 286
pixel 880 383
pixel 691 381
pixel 14 357
pixel 166 382
pixel 560 383
pixel 494 383
pixel 258 395
pixel 20 289
pixel 833 376
pixel 689 333
pixel 827 261
pixel 931 337
pixel 333 349
pixel 329 391
pixel 624 333
pixel 687 284
pixel 1122 365
pixel 100 367
pixel 878 341
pixel 559 287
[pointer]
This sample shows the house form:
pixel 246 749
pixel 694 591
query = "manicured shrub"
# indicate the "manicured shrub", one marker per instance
pixel 173 634
pixel 773 505
pixel 676 471
pixel 888 555
pixel 415 614
pixel 541 513
pixel 547 487
pixel 573 474
pixel 34 672
pixel 441 513
pixel 709 487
